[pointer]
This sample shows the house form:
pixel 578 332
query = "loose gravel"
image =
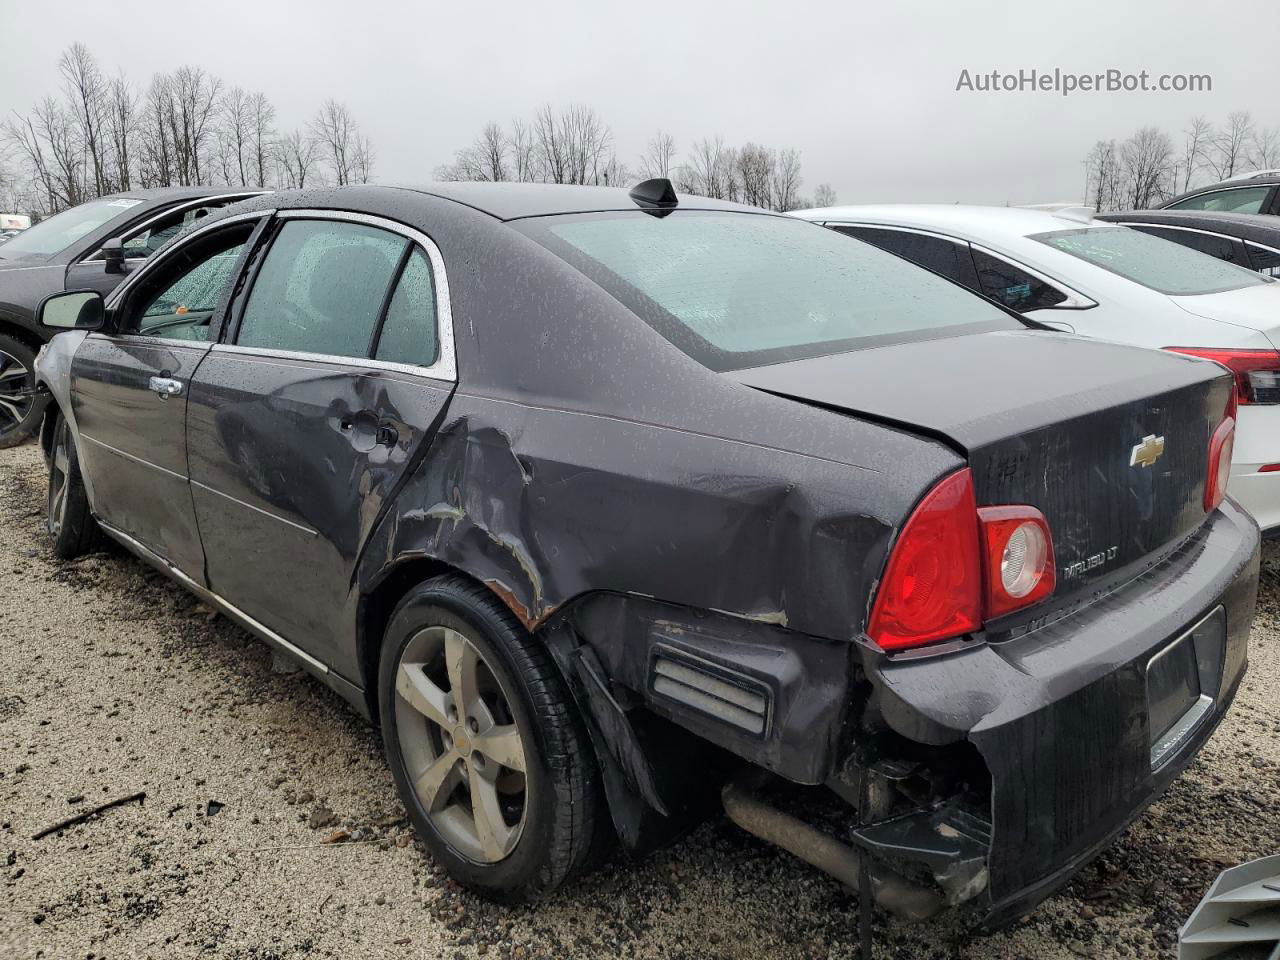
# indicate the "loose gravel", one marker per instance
pixel 117 681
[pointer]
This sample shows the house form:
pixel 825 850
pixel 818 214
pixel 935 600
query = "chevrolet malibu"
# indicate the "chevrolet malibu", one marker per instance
pixel 609 506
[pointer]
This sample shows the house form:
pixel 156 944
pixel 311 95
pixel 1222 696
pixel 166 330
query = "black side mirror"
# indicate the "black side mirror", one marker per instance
pixel 113 255
pixel 73 310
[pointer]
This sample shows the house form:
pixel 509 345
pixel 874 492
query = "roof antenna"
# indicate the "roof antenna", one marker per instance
pixel 656 196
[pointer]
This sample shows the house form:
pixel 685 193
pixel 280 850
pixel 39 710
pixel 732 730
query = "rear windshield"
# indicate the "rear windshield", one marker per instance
pixel 1155 263
pixel 63 229
pixel 737 290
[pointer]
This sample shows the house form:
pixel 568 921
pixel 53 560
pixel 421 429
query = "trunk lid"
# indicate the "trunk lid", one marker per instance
pixel 1048 420
pixel 1254 307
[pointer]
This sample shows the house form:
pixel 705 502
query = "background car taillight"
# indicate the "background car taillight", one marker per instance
pixel 1256 372
pixel 955 566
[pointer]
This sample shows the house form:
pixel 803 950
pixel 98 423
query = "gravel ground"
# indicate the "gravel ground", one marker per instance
pixel 118 681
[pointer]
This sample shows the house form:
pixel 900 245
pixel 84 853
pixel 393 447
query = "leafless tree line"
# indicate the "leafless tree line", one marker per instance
pixel 574 145
pixel 102 135
pixel 1150 166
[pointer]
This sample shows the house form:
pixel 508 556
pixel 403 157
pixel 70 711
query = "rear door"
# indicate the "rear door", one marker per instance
pixel 303 420
pixel 129 392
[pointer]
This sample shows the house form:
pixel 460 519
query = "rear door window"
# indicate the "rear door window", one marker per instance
pixel 1235 200
pixel 1013 286
pixel 321 288
pixel 947 257
pixel 408 332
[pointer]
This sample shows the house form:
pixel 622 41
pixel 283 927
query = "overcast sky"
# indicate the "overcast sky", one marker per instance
pixel 865 91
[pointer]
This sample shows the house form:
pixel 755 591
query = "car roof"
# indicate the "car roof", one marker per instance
pixel 970 221
pixel 1269 179
pixel 1248 226
pixel 513 201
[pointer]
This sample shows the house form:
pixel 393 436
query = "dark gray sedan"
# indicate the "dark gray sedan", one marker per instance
pixel 608 507
pixel 93 245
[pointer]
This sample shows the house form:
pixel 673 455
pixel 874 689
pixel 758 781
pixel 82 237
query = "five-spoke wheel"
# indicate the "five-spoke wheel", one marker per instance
pixel 490 755
pixel 462 748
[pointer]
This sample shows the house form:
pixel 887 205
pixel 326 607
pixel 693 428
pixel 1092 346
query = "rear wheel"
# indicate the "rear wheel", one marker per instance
pixel 74 530
pixel 485 743
pixel 19 412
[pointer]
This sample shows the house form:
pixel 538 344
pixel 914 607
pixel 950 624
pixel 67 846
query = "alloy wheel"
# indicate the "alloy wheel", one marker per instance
pixel 463 750
pixel 17 391
pixel 59 468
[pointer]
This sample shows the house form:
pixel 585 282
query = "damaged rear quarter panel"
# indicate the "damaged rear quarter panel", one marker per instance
pixel 583 452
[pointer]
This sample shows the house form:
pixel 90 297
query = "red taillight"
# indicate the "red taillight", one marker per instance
pixel 1220 448
pixel 932 586
pixel 955 566
pixel 1019 555
pixel 1256 372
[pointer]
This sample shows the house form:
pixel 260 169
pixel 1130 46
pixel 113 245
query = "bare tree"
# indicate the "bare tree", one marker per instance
pixel 335 132
pixel 785 181
pixel 1104 188
pixel 298 154
pixel 262 117
pixel 1264 149
pixel 1146 159
pixel 523 150
pixel 86 94
pixel 1227 153
pixel 1196 141
pixel 824 196
pixel 659 156
pixel 234 135
pixel 122 129
pixel 362 160
pixel 485 159
pixel 754 167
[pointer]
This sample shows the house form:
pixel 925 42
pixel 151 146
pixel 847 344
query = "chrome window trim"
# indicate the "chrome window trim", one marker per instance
pixel 885 226
pixel 1174 226
pixel 92 257
pixel 267 353
pixel 446 363
pixel 1260 246
pixel 152 263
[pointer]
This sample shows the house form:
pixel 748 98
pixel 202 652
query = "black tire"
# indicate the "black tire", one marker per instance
pixel 563 800
pixel 67 515
pixel 20 409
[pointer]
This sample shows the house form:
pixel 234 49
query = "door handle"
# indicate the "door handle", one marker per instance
pixel 166 387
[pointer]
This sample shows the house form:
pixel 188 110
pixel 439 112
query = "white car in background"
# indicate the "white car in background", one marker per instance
pixel 1066 270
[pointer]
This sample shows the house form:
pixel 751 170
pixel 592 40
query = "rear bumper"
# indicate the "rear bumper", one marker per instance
pixel 1259 494
pixel 1060 715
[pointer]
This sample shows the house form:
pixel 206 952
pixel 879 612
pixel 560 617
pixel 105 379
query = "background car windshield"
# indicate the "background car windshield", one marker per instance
pixel 62 230
pixel 1155 263
pixel 741 290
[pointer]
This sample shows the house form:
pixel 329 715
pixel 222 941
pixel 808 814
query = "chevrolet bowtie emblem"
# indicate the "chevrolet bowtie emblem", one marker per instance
pixel 1147 452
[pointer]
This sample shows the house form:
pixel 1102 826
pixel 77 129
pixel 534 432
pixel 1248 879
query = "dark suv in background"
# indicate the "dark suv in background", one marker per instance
pixel 94 245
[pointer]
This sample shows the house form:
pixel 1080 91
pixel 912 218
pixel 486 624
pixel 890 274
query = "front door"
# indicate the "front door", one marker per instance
pixel 129 390
pixel 303 420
